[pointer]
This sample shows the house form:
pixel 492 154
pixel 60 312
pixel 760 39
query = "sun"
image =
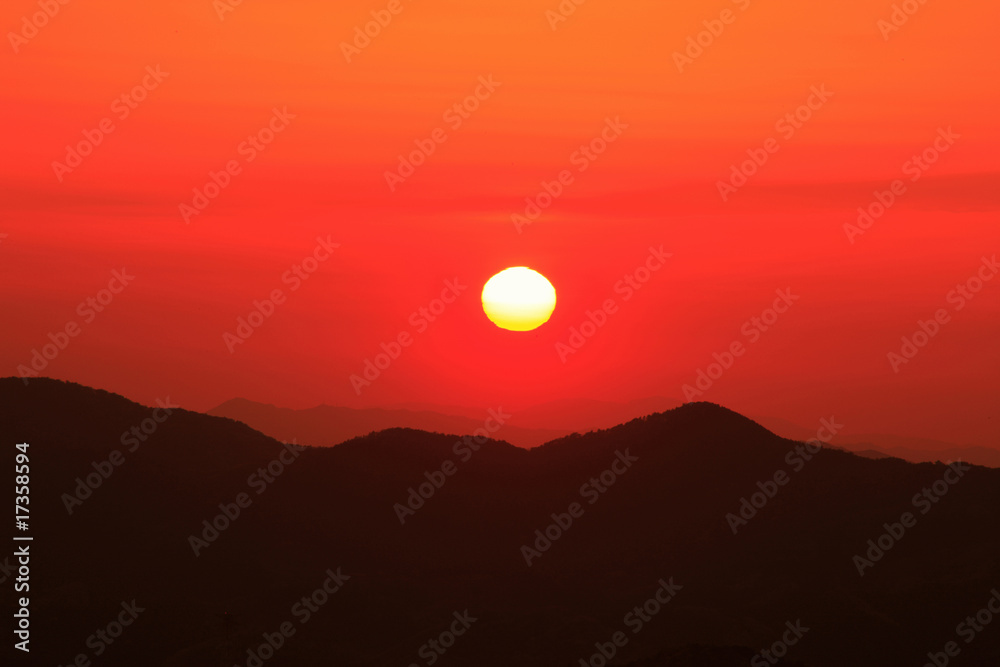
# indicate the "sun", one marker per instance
pixel 518 299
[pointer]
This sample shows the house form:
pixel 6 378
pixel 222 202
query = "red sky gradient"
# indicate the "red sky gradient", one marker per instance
pixel 656 185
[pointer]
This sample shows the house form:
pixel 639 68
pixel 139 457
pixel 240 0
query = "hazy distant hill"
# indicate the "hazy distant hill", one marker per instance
pixel 529 427
pixel 917 450
pixel 570 415
pixel 663 519
pixel 327 425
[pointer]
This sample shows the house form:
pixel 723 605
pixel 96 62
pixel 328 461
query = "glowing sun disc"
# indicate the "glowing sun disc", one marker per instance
pixel 518 299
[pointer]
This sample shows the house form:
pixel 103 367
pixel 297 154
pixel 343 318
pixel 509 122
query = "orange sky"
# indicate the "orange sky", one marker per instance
pixel 657 183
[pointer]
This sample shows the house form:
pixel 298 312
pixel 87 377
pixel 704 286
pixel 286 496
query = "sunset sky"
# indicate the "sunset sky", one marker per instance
pixel 672 118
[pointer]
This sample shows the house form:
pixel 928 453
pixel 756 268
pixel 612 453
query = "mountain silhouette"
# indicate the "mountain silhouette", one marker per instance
pixel 880 445
pixel 567 414
pixel 327 425
pixel 613 523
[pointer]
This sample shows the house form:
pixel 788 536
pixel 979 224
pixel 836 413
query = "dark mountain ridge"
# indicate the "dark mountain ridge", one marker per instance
pixel 327 425
pixel 656 513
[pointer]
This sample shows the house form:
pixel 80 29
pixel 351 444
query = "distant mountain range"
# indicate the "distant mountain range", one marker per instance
pixel 880 445
pixel 570 415
pixel 689 537
pixel 327 425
